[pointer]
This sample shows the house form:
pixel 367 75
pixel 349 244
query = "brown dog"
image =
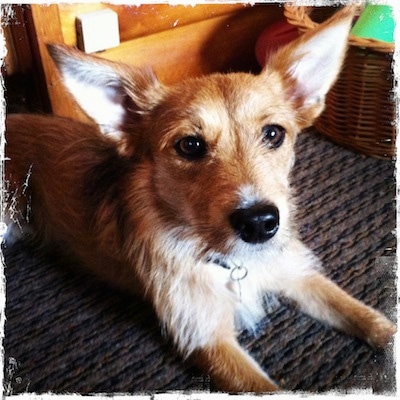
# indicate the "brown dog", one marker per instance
pixel 182 194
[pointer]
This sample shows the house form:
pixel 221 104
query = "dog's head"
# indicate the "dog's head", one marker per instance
pixel 219 147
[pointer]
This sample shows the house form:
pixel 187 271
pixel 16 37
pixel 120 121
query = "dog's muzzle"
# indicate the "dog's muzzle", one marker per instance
pixel 255 224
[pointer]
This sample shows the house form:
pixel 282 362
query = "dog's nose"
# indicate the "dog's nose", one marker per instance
pixel 255 224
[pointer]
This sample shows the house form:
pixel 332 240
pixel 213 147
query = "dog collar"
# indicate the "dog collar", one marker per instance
pixel 219 262
pixel 237 272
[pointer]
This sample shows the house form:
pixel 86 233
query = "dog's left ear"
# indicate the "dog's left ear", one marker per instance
pixel 310 65
pixel 111 94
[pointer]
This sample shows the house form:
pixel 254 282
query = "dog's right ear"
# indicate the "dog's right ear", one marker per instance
pixel 110 93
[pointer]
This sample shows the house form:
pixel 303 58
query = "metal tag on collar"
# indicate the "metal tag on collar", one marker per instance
pixel 238 273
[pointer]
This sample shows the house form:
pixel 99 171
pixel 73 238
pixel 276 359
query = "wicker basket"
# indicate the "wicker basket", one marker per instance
pixel 360 108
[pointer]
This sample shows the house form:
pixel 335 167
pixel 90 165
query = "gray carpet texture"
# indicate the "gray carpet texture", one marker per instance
pixel 65 332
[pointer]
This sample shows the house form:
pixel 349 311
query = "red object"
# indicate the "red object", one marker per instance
pixel 273 37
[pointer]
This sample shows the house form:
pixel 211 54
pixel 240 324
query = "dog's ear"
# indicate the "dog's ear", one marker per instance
pixel 111 94
pixel 310 64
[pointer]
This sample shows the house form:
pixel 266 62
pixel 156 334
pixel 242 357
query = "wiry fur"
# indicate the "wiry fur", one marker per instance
pixel 118 196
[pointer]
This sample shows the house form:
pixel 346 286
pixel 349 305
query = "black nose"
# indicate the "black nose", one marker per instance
pixel 255 224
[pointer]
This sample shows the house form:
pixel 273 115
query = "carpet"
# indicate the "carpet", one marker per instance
pixel 65 332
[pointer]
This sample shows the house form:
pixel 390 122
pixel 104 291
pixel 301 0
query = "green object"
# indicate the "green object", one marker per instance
pixel 375 22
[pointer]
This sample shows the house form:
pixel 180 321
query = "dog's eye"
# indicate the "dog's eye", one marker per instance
pixel 273 135
pixel 191 147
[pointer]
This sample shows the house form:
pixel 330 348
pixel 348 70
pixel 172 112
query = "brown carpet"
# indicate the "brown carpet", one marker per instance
pixel 66 332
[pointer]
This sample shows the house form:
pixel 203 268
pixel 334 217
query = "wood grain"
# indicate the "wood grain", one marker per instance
pixel 217 44
pixel 176 41
pixel 46 28
pixel 142 20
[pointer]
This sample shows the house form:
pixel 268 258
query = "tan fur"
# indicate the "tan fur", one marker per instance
pixel 119 197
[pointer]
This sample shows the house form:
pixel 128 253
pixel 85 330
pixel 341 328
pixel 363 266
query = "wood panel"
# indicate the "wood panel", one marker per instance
pixel 142 20
pixel 217 44
pixel 18 59
pixel 45 28
pixel 219 39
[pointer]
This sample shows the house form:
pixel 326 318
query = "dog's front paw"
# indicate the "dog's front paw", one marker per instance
pixel 381 331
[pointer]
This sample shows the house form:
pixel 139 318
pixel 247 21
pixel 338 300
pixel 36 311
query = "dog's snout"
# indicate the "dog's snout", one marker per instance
pixel 255 224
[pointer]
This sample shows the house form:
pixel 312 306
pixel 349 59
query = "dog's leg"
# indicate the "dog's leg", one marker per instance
pixel 324 300
pixel 232 369
pixel 199 314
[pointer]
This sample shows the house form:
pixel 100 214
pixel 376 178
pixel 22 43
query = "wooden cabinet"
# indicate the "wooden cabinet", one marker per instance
pixel 177 41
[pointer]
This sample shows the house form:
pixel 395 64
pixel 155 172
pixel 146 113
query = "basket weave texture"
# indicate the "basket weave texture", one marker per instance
pixel 360 108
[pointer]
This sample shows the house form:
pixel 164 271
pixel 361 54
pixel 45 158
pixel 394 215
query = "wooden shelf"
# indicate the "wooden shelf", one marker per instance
pixel 176 41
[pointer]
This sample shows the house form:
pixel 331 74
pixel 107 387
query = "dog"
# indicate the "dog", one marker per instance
pixel 182 195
